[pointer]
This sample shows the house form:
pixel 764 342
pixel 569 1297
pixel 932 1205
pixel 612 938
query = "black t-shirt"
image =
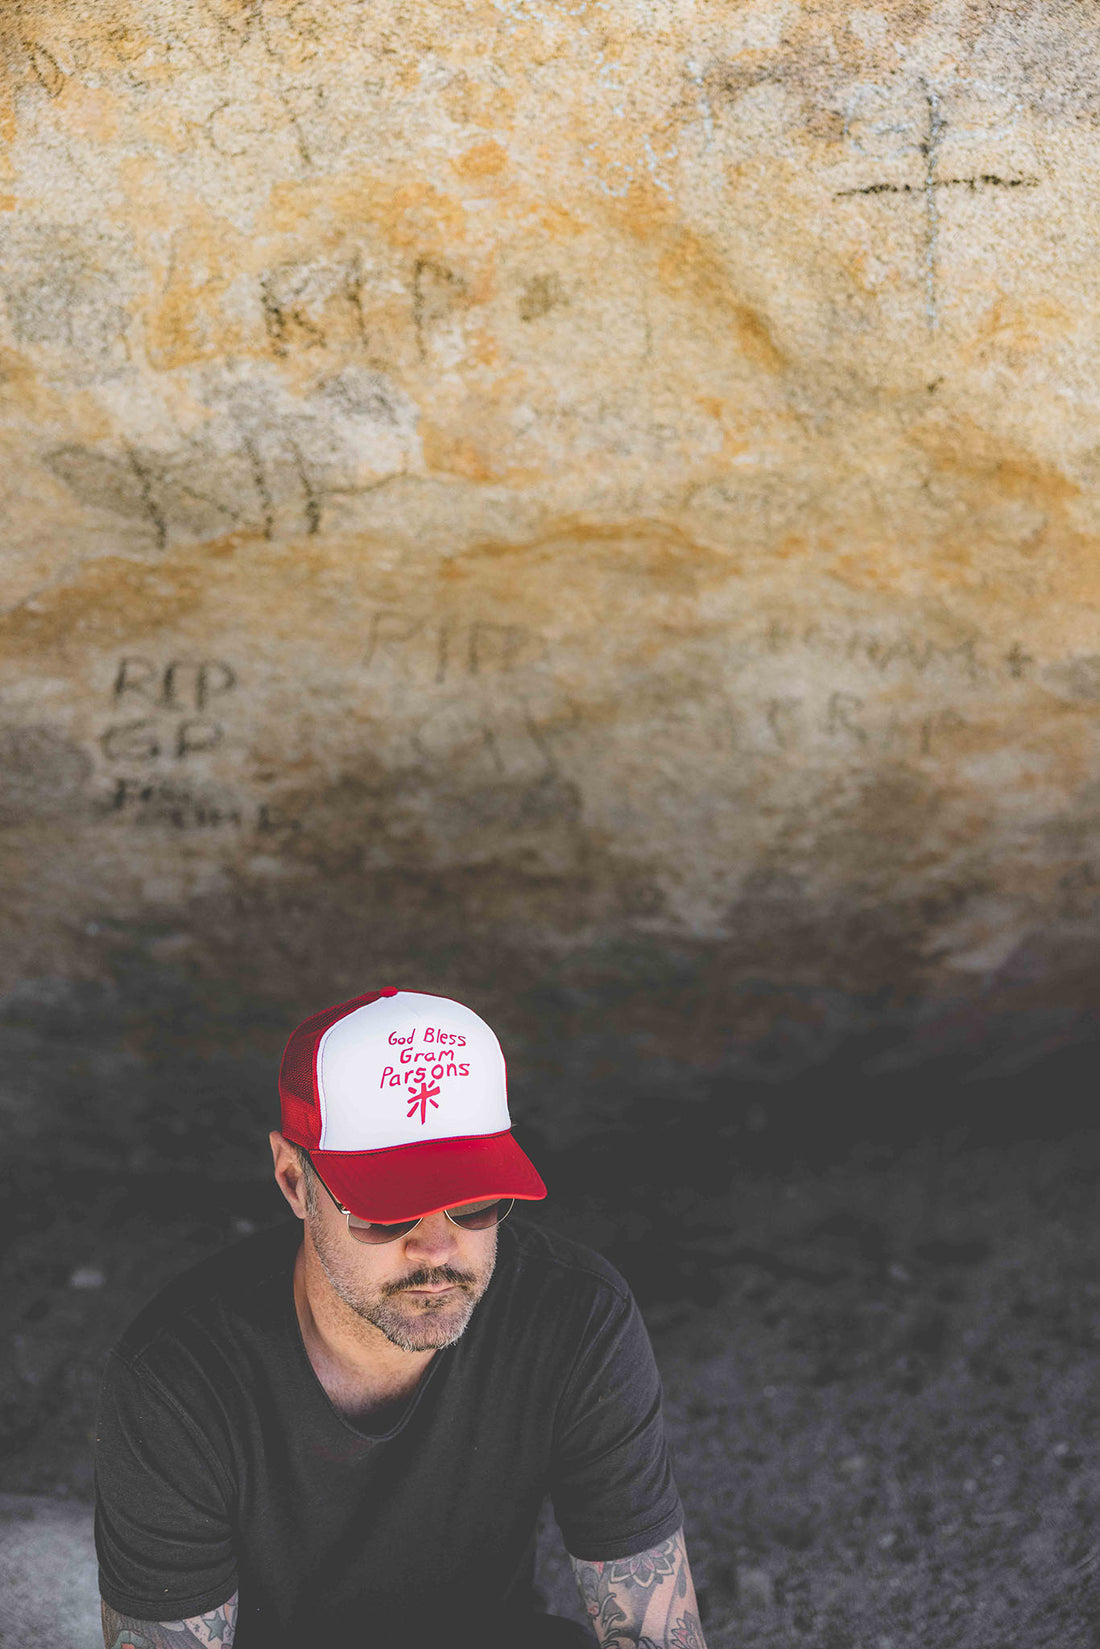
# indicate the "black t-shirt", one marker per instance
pixel 221 1464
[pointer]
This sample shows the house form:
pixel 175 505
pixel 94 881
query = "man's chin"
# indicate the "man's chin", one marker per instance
pixel 423 1325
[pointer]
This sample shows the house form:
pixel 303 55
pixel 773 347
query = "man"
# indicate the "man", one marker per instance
pixel 344 1435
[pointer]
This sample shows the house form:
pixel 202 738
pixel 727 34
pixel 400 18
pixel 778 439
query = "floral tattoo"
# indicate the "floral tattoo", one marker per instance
pixel 629 1605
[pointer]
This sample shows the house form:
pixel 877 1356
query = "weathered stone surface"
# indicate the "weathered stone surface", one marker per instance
pixel 594 508
pixel 48 1564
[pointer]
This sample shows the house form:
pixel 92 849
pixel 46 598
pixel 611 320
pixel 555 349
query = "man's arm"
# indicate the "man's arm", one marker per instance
pixel 213 1630
pixel 642 1602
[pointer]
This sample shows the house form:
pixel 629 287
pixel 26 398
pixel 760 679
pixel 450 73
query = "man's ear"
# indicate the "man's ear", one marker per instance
pixel 288 1172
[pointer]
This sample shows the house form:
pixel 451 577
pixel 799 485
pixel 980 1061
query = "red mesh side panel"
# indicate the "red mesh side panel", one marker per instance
pixel 298 1071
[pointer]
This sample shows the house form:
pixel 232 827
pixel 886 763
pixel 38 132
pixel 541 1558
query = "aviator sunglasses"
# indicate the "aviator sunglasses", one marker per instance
pixel 479 1217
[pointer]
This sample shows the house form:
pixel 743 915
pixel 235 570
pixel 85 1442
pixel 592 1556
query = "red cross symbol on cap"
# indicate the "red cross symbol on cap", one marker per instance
pixel 421 1099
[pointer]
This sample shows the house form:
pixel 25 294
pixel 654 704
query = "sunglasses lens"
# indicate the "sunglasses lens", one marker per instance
pixel 372 1231
pixel 481 1217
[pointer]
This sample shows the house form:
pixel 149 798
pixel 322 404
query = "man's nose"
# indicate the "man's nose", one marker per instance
pixel 433 1240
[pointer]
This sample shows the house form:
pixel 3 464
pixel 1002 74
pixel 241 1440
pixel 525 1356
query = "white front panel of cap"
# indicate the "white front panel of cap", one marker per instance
pixel 409 1068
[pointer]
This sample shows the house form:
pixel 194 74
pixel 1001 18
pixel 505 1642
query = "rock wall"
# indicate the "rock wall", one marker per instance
pixel 590 507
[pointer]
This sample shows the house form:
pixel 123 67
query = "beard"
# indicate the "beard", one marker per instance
pixel 423 1322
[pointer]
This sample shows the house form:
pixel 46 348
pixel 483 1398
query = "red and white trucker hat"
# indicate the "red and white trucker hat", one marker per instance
pixel 401 1101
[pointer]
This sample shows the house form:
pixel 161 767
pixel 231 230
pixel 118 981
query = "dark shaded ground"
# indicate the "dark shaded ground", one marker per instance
pixel 878 1343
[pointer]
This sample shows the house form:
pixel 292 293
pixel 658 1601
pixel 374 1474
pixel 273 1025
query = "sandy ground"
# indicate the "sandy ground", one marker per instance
pixel 881 1383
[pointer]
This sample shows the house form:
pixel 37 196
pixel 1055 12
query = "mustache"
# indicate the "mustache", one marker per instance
pixel 432 1279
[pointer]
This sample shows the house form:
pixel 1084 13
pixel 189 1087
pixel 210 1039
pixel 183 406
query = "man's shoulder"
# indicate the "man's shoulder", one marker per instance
pixel 564 1262
pixel 233 1286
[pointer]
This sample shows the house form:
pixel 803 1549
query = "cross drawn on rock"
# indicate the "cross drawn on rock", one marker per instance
pixel 929 147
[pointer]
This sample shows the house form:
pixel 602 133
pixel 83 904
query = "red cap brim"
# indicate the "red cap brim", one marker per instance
pixel 406 1181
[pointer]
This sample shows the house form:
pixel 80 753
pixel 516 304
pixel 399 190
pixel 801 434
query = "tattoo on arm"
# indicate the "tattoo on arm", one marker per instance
pixel 642 1602
pixel 213 1630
